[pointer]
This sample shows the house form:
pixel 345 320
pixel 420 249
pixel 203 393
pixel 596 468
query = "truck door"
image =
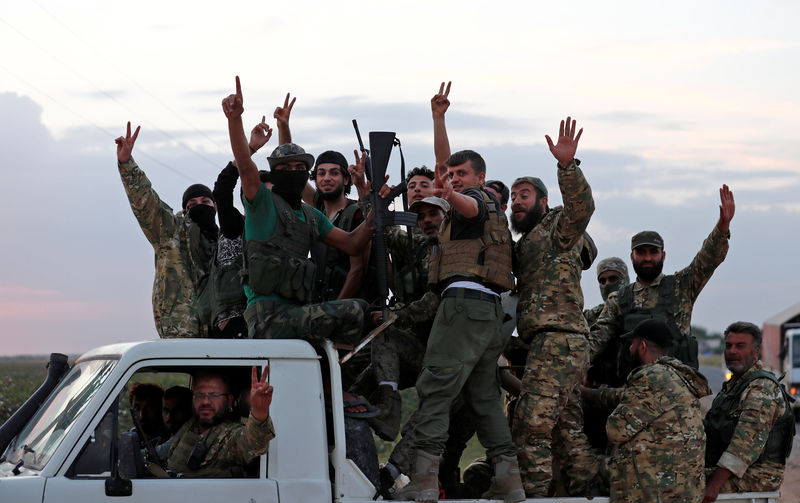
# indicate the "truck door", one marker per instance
pixel 85 473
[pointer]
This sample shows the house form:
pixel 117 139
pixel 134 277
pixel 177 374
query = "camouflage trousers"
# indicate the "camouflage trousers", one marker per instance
pixel 339 320
pixel 548 421
pixel 397 354
pixel 461 357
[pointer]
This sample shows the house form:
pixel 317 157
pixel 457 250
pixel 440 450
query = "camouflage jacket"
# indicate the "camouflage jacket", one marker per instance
pixel 592 314
pixel 404 257
pixel 760 407
pixel 229 446
pixel 183 255
pixel 547 262
pixel 658 431
pixel 689 282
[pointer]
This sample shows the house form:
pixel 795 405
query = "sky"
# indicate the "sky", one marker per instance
pixel 675 98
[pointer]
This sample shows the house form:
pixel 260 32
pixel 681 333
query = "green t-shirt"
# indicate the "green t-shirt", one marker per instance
pixel 260 219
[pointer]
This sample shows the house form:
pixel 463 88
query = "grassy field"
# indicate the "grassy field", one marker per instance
pixel 18 380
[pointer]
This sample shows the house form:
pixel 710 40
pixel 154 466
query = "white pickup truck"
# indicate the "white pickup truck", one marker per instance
pixel 70 449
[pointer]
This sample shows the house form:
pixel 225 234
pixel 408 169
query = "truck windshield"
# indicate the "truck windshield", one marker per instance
pixel 39 439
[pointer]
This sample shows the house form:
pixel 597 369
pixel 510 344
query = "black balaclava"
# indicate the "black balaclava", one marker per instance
pixel 289 185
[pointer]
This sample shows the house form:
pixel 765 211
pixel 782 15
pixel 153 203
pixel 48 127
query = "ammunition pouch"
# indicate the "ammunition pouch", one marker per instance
pixel 270 270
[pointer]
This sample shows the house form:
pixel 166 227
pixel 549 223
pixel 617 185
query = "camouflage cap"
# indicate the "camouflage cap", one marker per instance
pixel 536 182
pixel 615 264
pixel 289 152
pixel 654 330
pixel 647 238
pixel 432 200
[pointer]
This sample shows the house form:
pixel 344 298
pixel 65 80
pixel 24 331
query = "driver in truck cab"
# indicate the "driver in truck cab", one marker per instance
pixel 214 444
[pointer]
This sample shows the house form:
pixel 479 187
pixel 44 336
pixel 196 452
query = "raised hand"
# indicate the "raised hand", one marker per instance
pixel 443 187
pixel 726 209
pixel 233 105
pixel 125 144
pixel 357 174
pixel 260 134
pixel 439 174
pixel 440 103
pixel 281 114
pixel 564 150
pixel 260 394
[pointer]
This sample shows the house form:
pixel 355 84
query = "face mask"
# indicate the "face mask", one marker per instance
pixel 289 185
pixel 203 215
pixel 609 288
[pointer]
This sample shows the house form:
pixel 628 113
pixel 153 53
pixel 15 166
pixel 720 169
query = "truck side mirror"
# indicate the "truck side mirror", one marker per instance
pixel 116 485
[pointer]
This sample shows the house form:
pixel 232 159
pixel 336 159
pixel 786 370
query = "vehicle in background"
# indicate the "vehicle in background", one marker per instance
pixel 780 350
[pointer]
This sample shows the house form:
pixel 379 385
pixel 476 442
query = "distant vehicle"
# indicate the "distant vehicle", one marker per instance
pixel 792 367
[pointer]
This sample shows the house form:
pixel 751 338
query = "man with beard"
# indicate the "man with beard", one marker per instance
pixel 548 420
pixel 214 443
pixel 657 427
pixel 184 243
pixel 667 297
pixel 339 276
pixel 279 232
pixel 750 426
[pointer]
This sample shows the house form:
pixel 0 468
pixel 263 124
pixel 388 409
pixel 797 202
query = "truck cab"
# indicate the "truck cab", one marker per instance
pixel 73 448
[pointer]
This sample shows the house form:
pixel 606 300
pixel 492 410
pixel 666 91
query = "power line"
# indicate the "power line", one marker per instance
pixel 129 77
pixel 90 122
pixel 112 98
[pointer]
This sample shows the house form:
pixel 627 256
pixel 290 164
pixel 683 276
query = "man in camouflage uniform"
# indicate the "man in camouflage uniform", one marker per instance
pixel 184 243
pixel 669 297
pixel 279 230
pixel 657 428
pixel 750 425
pixel 214 444
pixel 550 320
pixel 612 273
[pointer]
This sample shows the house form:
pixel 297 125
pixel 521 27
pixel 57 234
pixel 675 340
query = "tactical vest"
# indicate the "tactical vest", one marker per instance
pixel 333 265
pixel 721 420
pixel 684 346
pixel 220 290
pixel 487 257
pixel 280 264
pixel 411 281
pixel 186 441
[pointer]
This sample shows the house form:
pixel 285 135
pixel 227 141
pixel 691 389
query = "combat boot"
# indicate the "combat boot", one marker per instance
pixel 506 483
pixel 387 423
pixel 424 485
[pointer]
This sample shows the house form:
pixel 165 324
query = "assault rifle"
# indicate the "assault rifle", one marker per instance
pixel 377 161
